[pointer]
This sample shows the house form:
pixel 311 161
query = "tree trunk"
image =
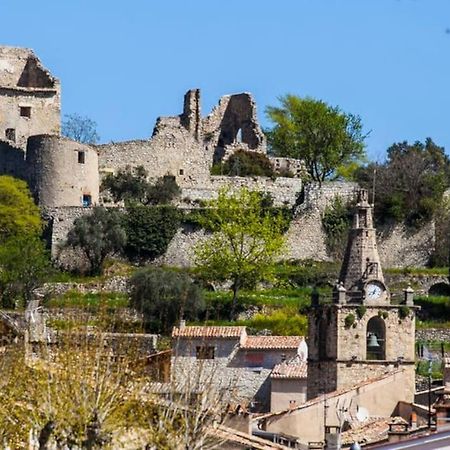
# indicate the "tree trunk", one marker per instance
pixel 236 286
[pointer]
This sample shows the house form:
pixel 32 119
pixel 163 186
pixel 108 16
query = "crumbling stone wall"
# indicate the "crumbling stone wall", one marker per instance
pixel 284 191
pixel 233 120
pixel 29 97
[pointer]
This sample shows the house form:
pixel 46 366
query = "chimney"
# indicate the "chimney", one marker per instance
pixel 182 324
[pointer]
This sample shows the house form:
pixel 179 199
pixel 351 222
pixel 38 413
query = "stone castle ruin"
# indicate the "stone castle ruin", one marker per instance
pixel 65 176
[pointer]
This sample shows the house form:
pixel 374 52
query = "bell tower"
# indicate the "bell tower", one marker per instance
pixel 360 333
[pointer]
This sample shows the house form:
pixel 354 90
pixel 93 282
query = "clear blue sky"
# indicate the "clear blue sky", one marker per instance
pixel 125 62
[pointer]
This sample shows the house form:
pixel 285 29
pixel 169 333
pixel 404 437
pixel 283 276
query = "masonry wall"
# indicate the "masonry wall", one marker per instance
pixel 172 150
pixel 62 172
pixel 244 372
pixel 284 191
pixel 379 398
pixel 29 97
pixel 286 393
pixel 344 363
pixel 44 116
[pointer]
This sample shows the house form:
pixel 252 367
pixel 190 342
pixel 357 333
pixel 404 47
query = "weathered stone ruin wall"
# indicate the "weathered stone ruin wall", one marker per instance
pixel 29 97
pixel 306 237
pixel 401 247
pixel 284 191
pixel 172 150
pixel 233 120
pixel 60 221
pixel 62 172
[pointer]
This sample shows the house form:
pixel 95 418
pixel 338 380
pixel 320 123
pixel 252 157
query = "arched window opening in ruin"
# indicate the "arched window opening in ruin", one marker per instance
pixel 376 339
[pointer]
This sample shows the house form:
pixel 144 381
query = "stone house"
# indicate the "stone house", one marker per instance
pixel 30 97
pixel 288 384
pixel 238 363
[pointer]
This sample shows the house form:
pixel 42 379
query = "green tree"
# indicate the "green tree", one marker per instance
pixel 246 238
pixel 24 265
pixel 165 296
pixel 150 230
pixel 98 235
pixel 410 184
pixel 131 185
pixel 80 129
pixel 323 136
pixel 18 213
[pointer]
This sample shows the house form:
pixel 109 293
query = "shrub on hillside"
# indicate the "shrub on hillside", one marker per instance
pixel 164 297
pixel 149 230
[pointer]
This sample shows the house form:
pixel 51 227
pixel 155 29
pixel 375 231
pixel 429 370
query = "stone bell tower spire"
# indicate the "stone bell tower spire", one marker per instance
pixel 361 263
pixel 360 335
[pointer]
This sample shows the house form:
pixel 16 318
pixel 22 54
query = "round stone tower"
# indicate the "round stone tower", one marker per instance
pixel 62 172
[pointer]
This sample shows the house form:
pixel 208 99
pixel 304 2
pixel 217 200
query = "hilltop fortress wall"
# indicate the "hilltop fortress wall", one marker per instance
pixel 65 176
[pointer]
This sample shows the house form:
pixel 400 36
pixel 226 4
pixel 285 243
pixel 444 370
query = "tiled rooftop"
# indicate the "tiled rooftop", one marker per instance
pixel 290 369
pixel 208 332
pixel 272 342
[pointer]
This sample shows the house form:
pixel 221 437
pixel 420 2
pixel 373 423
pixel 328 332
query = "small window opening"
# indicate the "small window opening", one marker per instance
pixel 81 157
pixel 205 352
pixel 181 172
pixel 87 200
pixel 10 134
pixel 25 111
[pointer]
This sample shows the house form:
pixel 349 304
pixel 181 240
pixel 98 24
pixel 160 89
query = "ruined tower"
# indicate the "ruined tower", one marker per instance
pixel 360 334
pixel 30 100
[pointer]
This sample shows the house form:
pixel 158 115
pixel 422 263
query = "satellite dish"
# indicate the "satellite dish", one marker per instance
pixel 362 414
pixel 302 350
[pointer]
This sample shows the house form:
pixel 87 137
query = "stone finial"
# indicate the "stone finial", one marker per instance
pixel 409 295
pixel 341 294
pixel 363 196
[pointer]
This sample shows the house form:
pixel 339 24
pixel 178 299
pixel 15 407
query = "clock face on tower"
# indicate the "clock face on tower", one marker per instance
pixel 374 290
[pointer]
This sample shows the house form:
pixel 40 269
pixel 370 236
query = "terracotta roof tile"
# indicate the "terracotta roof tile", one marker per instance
pixel 290 369
pixel 208 332
pixel 272 342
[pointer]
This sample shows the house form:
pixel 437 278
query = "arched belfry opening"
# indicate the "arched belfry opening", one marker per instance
pixel 376 339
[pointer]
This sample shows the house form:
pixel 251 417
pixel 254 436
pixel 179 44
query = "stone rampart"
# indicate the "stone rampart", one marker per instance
pixel 284 191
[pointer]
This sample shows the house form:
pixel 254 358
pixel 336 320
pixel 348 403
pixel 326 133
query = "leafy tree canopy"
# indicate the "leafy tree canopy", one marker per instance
pixel 244 243
pixel 18 213
pixel 80 129
pixel 24 265
pixel 150 230
pixel 165 296
pixel 323 136
pixel 410 184
pixel 131 185
pixel 98 235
